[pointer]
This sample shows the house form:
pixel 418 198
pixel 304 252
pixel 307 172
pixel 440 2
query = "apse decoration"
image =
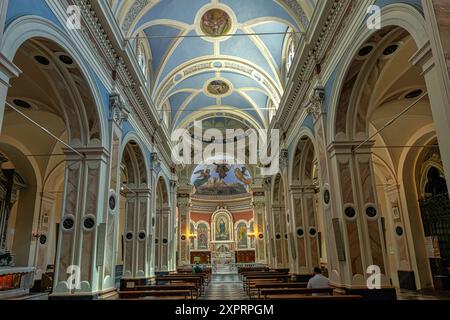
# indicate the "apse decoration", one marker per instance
pixel 221 179
pixel 216 23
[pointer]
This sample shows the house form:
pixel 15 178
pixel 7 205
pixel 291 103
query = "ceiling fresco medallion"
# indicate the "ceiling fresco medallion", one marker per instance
pixel 218 87
pixel 216 23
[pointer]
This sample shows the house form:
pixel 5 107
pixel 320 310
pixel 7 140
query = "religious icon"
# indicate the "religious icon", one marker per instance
pixel 222 230
pixel 242 235
pixel 218 87
pixel 222 226
pixel 222 170
pixel 216 22
pixel 202 232
pixel 204 176
pixel 242 175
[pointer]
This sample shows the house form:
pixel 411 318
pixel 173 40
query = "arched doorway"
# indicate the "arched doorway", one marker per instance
pixel 162 227
pixel 308 224
pixel 383 121
pixel 133 237
pixel 279 224
pixel 51 116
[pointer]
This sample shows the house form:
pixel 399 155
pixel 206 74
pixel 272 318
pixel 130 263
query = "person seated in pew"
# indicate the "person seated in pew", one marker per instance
pixel 318 281
pixel 197 268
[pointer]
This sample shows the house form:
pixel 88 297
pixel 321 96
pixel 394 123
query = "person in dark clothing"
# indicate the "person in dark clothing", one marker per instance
pixel 197 268
pixel 436 184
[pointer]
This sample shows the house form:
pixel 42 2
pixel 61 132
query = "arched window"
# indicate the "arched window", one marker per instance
pixel 290 55
pixel 165 114
pixel 142 59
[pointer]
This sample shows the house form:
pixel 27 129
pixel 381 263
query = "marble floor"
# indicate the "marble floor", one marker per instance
pixel 225 287
pixel 415 295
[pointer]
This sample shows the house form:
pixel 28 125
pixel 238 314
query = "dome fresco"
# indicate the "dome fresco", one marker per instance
pixel 216 22
pixel 233 46
pixel 221 177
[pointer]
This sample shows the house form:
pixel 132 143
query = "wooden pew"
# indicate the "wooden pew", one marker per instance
pixel 305 297
pixel 179 294
pixel 249 280
pixel 244 275
pixel 300 291
pixel 198 280
pixel 246 269
pixel 258 286
pixel 172 287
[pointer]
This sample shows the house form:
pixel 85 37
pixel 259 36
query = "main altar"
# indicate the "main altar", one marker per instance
pixel 223 258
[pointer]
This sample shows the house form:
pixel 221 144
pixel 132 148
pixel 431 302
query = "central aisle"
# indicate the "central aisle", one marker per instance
pixel 225 287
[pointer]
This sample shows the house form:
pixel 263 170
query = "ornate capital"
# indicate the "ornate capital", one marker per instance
pixel 268 181
pixel 284 156
pixel 316 102
pixel 118 112
pixel 173 184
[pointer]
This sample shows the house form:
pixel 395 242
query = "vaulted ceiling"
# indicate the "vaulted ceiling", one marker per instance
pixel 215 58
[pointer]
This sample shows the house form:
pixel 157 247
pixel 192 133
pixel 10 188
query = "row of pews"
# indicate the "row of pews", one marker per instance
pixel 183 285
pixel 266 284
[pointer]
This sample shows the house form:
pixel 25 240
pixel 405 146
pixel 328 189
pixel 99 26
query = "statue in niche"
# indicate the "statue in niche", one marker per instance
pixel 435 185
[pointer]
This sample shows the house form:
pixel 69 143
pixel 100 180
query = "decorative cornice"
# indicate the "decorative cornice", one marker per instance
pixel 134 11
pixel 312 54
pixel 130 83
pixel 298 10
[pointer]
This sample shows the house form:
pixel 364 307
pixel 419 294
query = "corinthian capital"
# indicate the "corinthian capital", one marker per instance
pixel 316 101
pixel 118 112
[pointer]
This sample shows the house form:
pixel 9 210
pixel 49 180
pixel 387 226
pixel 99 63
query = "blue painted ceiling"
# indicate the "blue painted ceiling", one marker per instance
pixel 183 63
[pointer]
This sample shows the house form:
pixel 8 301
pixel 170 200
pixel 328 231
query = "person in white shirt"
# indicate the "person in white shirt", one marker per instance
pixel 318 281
